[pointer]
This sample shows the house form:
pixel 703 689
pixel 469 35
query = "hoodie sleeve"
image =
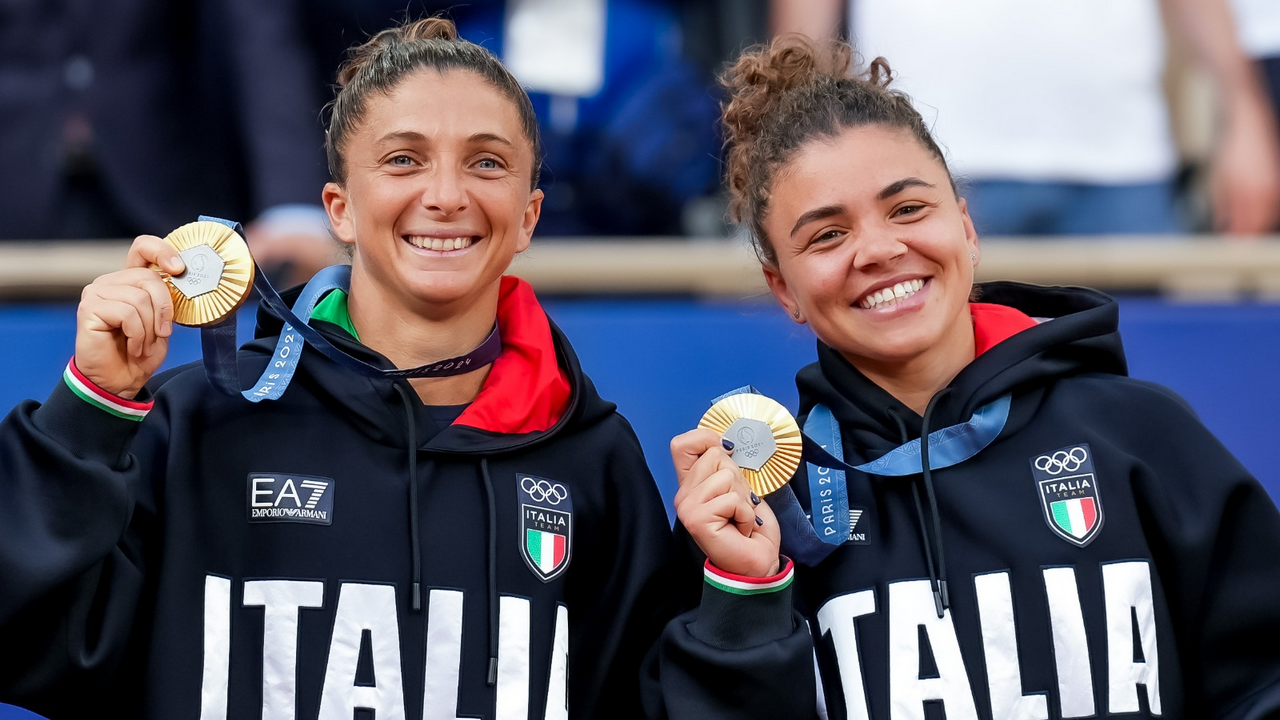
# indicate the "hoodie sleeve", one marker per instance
pixel 70 564
pixel 738 649
pixel 743 653
pixel 1217 548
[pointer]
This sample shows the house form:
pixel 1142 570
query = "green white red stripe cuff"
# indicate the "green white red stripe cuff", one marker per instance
pixel 744 585
pixel 101 399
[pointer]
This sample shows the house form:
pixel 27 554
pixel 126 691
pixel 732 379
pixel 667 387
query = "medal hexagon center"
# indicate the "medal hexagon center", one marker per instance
pixel 203 273
pixel 753 443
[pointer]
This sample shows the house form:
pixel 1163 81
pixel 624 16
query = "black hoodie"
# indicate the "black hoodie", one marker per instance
pixel 1103 555
pixel 334 549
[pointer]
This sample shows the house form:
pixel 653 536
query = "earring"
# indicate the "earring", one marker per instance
pixel 973 256
pixel 796 314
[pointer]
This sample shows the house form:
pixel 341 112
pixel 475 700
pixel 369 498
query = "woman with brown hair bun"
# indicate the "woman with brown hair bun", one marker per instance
pixel 384 539
pixel 1068 542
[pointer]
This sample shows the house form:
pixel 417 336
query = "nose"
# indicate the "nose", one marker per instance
pixel 445 191
pixel 878 247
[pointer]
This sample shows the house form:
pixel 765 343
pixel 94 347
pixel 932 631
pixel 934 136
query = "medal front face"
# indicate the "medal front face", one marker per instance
pixel 766 438
pixel 219 274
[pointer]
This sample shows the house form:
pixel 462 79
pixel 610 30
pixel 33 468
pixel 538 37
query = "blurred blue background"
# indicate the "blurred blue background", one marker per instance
pixel 662 360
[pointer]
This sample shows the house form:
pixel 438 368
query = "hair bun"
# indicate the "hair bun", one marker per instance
pixel 763 74
pixel 429 29
pixel 433 28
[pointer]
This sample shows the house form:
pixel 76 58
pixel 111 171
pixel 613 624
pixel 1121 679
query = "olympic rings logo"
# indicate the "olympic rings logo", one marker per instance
pixel 544 491
pixel 1062 461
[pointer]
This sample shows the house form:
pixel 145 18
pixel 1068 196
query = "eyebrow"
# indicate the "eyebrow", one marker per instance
pixel 405 135
pixel 821 213
pixel 417 137
pixel 894 188
pixel 490 137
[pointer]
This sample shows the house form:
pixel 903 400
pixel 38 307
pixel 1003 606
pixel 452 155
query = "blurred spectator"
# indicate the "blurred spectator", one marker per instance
pixel 1055 113
pixel 628 121
pixel 1258 24
pixel 130 117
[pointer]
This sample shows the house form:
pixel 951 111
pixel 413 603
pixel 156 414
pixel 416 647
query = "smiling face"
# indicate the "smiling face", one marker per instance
pixel 873 251
pixel 438 194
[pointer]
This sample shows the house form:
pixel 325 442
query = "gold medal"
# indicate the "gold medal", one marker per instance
pixel 766 438
pixel 219 274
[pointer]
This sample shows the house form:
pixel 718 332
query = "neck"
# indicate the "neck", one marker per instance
pixel 410 336
pixel 915 382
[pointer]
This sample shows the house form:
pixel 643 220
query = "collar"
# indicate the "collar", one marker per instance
pixel 332 308
pixel 526 390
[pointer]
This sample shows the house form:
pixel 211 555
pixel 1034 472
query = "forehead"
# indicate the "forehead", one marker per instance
pixel 855 164
pixel 442 105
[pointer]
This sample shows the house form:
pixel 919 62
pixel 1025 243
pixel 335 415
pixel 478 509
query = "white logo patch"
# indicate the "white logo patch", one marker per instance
pixel 283 497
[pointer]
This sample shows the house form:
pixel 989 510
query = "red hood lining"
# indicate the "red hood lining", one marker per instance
pixel 526 391
pixel 993 324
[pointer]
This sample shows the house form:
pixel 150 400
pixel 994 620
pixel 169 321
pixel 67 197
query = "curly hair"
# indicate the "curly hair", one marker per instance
pixel 783 95
pixel 384 60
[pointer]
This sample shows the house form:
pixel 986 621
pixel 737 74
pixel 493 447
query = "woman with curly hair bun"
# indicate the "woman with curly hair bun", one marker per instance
pixel 1003 525
pixel 382 540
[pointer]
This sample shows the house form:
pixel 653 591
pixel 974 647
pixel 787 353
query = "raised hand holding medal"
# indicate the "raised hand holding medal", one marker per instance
pixel 197 276
pixel 724 468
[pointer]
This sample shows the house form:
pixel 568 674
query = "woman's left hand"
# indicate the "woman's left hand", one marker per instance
pixel 738 534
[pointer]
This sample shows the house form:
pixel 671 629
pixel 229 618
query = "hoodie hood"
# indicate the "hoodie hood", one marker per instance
pixel 1026 335
pixel 534 389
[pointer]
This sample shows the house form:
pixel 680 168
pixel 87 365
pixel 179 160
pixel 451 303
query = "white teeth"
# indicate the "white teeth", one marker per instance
pixel 891 295
pixel 439 244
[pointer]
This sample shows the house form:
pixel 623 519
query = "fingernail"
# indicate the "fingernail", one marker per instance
pixel 755 499
pixel 727 444
pixel 759 521
pixel 166 328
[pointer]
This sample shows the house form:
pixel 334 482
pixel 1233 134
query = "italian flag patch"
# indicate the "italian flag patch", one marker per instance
pixel 546 525
pixel 547 550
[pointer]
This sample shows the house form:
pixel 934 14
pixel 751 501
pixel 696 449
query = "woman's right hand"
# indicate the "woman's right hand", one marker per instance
pixel 125 319
pixel 738 534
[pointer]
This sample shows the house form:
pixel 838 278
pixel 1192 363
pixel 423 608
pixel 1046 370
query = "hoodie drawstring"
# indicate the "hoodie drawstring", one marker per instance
pixel 415 551
pixel 937 571
pixel 904 436
pixel 491 544
pixel 491 566
pixel 940 599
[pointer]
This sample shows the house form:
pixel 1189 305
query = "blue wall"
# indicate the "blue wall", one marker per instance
pixel 662 360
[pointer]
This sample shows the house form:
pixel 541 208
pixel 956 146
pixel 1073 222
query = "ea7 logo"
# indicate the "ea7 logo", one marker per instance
pixel 280 497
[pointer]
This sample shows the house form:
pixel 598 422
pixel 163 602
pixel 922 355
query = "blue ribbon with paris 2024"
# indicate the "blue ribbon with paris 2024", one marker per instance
pixel 808 537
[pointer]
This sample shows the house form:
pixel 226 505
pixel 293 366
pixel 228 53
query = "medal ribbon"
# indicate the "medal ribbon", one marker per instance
pixel 808 537
pixel 219 341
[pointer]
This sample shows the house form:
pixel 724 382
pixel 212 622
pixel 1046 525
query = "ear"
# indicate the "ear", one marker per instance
pixel 970 233
pixel 339 209
pixel 778 286
pixel 532 212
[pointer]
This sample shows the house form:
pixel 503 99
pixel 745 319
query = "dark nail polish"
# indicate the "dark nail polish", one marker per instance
pixel 759 521
pixel 727 444
pixel 755 499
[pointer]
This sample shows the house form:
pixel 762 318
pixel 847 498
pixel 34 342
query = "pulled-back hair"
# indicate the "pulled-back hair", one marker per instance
pixel 791 91
pixel 384 60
